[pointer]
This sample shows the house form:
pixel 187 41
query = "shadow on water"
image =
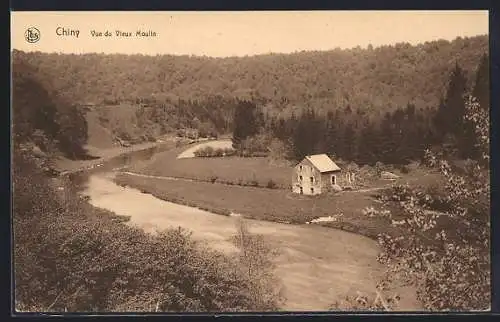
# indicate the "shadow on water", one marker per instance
pixel 79 179
pixel 80 153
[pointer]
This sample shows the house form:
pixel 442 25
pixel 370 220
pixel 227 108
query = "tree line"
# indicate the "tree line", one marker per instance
pixel 381 78
pixel 396 137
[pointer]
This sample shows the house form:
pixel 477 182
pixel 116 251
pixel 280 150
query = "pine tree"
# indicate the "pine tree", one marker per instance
pixel 468 140
pixel 32 105
pixel 388 145
pixel 449 119
pixel 481 89
pixel 349 143
pixel 281 129
pixel 408 134
pixel 302 136
pixel 331 136
pixel 245 123
pixel 440 122
pixel 368 144
pixel 454 102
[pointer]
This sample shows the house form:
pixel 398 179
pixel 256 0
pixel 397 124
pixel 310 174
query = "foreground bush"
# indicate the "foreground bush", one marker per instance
pixel 256 256
pixel 445 251
pixel 69 256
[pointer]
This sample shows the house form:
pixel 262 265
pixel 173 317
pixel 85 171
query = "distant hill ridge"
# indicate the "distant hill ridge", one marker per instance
pixel 374 78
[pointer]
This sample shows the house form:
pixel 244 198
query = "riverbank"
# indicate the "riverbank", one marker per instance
pixel 273 205
pixel 98 157
pixel 314 276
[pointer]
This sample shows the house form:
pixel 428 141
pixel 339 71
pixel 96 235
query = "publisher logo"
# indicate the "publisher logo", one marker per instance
pixel 32 35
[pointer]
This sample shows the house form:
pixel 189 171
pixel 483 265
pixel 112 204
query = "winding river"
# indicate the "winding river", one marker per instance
pixel 317 265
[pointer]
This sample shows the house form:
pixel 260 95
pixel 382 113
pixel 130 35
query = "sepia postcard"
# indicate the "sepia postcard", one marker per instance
pixel 250 161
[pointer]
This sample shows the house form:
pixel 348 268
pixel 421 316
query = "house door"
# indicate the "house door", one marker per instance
pixel 301 190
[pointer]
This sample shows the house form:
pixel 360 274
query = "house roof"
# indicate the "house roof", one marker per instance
pixel 323 163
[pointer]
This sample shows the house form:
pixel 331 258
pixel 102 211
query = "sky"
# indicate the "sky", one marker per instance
pixel 222 34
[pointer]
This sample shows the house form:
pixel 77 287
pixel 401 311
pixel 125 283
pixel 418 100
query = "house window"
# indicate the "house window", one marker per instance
pixel 334 180
pixel 300 178
pixel 312 179
pixel 301 190
pixel 312 190
pixel 300 168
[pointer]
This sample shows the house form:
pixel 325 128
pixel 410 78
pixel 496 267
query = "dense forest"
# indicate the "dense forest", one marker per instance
pixel 399 137
pixel 366 105
pixel 43 117
pixel 372 79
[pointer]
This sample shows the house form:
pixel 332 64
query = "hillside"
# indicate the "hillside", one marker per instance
pixel 99 136
pixel 383 98
pixel 373 78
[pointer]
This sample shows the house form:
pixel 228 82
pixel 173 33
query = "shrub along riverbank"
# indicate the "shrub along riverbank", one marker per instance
pixel 70 256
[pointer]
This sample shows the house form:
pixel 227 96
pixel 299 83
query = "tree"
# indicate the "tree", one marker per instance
pixel 450 114
pixel 73 132
pixel 440 122
pixel 32 107
pixel 349 143
pixel 331 136
pixel 256 257
pixel 389 146
pixel 280 130
pixel 36 107
pixel 244 123
pixel 482 85
pixel 307 135
pixel 368 144
pixel 444 245
pixel 301 138
pixel 481 92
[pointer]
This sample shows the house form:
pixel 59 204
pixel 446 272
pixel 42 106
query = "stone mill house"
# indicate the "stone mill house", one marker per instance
pixel 317 174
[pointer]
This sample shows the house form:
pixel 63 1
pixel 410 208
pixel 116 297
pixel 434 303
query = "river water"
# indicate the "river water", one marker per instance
pixel 317 265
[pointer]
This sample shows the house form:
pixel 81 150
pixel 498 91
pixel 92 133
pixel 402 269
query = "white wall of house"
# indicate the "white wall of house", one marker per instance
pixel 306 179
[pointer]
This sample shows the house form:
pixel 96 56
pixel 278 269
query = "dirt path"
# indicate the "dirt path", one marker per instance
pixel 365 190
pixel 197 180
pixel 317 265
pixel 186 179
pixel 157 177
pixel 216 144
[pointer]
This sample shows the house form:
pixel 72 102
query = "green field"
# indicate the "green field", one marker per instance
pixel 231 170
pixel 238 188
pixel 265 204
pixel 254 171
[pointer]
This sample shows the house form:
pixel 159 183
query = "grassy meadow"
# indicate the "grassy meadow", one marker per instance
pixel 264 204
pixel 235 185
pixel 230 170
